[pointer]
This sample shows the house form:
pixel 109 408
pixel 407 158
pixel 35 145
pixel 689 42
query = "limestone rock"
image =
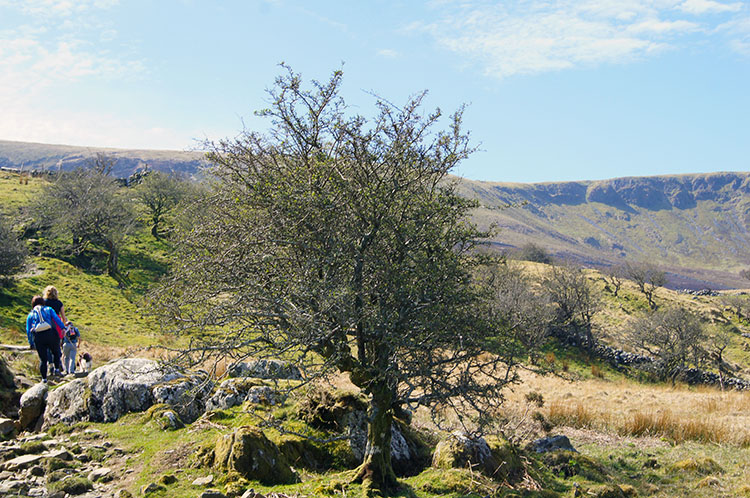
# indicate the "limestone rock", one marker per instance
pixel 551 443
pixel 7 426
pixel 32 405
pixel 102 474
pixel 231 392
pixel 147 489
pixel 459 450
pixel 212 493
pixel 124 386
pixel 23 462
pixel 250 453
pixel 187 395
pixel 203 481
pixel 266 369
pixel 265 395
pixel 68 403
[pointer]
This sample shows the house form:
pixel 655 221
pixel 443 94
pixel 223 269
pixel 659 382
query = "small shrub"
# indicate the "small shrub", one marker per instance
pixel 597 372
pixel 565 366
pixel 550 359
pixel 535 397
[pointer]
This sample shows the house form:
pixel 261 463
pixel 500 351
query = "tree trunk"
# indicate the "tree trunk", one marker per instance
pixel 113 261
pixel 155 230
pixel 376 472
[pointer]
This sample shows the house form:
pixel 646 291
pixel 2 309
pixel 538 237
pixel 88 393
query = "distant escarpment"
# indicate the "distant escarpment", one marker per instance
pixel 39 157
pixel 696 226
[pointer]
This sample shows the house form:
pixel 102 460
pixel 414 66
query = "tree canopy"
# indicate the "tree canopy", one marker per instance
pixel 339 241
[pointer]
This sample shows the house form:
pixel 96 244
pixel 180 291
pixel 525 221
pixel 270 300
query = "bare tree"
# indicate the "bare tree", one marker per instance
pixel 12 250
pixel 519 308
pixel 738 303
pixel 647 277
pixel 575 299
pixel 87 205
pixel 674 337
pixel 613 276
pixel 341 242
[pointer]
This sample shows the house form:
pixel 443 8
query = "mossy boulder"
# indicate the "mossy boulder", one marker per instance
pixel 251 454
pixel 703 466
pixel 459 451
pixel 331 409
pixel 164 417
pixel 506 464
pixel 346 412
pixel 72 485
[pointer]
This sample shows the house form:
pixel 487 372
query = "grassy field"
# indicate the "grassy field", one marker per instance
pixel 634 437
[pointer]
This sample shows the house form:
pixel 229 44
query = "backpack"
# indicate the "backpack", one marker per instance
pixel 41 324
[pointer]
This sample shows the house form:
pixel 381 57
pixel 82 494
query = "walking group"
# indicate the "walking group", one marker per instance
pixel 52 335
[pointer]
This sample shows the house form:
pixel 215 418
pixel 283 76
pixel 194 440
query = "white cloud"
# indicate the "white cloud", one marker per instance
pixel 656 26
pixel 698 7
pixel 387 53
pixel 533 36
pixel 738 32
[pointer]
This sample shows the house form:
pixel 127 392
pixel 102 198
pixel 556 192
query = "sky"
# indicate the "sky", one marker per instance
pixel 557 90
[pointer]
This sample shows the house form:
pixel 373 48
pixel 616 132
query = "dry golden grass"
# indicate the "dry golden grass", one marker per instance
pixel 624 408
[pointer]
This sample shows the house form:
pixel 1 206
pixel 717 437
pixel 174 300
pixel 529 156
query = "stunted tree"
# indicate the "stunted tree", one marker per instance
pixel 518 307
pixel 576 301
pixel 647 277
pixel 340 241
pixel 613 276
pixel 12 250
pixel 674 337
pixel 86 204
pixel 160 193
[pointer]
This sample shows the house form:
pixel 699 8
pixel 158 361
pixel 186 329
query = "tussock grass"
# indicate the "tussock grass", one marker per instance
pixel 625 408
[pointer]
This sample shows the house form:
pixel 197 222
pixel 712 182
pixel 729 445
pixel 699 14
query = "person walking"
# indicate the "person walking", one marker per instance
pixel 42 336
pixel 52 300
pixel 70 348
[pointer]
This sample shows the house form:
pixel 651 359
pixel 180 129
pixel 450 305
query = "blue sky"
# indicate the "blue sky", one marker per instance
pixel 557 89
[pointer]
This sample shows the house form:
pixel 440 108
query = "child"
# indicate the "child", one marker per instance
pixel 70 348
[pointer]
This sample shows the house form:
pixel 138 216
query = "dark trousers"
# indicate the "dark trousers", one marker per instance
pixel 47 342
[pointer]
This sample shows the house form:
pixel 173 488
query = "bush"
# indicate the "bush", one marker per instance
pixel 535 253
pixel 12 250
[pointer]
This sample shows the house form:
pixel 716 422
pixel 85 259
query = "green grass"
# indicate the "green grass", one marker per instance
pixel 15 194
pixel 95 303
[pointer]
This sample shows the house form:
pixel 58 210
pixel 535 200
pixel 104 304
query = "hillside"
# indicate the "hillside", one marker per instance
pixel 35 156
pixel 696 226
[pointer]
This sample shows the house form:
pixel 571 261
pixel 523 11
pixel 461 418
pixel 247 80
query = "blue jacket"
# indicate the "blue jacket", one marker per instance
pixel 49 315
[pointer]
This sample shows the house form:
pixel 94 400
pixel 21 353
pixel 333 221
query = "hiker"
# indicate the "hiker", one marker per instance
pixel 42 336
pixel 70 348
pixel 52 300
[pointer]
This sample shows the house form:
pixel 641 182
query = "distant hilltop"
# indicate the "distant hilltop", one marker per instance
pixel 696 226
pixel 36 156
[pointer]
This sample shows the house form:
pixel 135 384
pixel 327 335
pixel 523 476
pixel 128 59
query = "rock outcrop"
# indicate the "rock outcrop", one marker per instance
pixel 266 369
pixel 124 386
pixel 33 402
pixel 251 454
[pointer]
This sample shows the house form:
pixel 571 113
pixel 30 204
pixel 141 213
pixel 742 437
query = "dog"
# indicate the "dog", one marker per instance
pixel 84 363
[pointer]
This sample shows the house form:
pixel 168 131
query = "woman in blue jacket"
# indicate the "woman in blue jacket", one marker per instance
pixel 42 336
